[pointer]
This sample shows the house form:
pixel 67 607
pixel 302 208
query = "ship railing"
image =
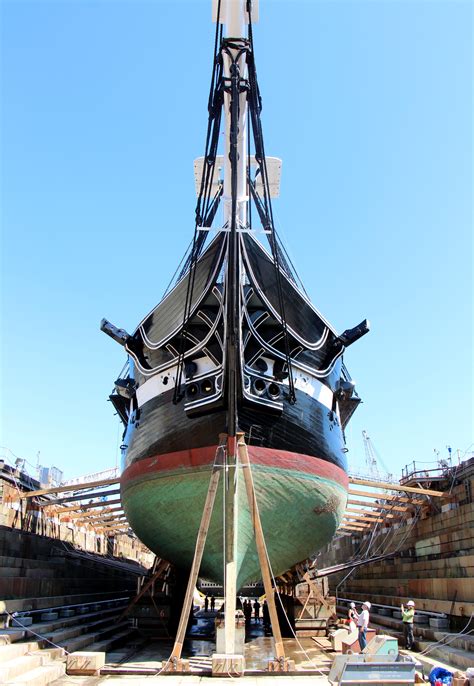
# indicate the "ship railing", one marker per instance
pixel 384 478
pixel 415 472
pixel 441 615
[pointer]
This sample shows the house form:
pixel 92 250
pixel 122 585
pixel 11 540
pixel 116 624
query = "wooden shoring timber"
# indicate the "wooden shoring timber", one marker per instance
pixel 112 529
pixel 261 546
pixel 118 520
pixel 355 522
pixel 313 592
pixel 102 513
pixel 113 519
pixel 360 518
pixel 160 569
pixel 92 515
pixel 199 548
pixel 378 506
pixel 71 488
pixel 88 506
pixel 359 523
pixel 345 527
pixel 369 513
pixel 386 496
pixel 356 481
pixel 103 522
pixel 81 496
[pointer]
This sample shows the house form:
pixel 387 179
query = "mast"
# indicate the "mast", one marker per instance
pixel 233 14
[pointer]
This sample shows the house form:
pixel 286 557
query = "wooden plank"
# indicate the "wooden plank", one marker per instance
pixel 72 488
pixel 159 569
pixel 86 515
pixel 113 519
pixel 87 506
pixel 103 511
pixel 356 481
pixel 82 496
pixel 260 542
pixel 361 518
pixel 385 496
pixel 378 506
pixel 198 552
pixel 112 529
pixel 345 527
pixel 368 513
pixel 124 515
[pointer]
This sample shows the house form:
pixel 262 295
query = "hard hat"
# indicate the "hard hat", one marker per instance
pixel 410 603
pixel 367 605
pixel 353 605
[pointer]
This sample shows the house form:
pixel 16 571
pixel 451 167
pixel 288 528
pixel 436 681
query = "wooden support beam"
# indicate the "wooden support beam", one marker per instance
pixel 72 488
pixel 92 515
pixel 101 513
pixel 360 518
pixel 112 532
pixel 108 518
pixel 124 515
pixel 344 527
pixel 82 496
pixel 161 566
pixel 198 551
pixel 362 526
pixel 386 496
pixel 368 513
pixel 121 519
pixel 378 506
pixel 87 506
pixel 356 481
pixel 260 543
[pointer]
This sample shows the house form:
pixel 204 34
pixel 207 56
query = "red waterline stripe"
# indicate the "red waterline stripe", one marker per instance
pixel 266 457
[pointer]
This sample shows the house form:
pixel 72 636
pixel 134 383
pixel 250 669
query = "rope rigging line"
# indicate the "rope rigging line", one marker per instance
pixel 264 207
pixel 205 207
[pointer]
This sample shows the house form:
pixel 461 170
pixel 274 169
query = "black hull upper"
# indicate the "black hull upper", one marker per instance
pixel 305 428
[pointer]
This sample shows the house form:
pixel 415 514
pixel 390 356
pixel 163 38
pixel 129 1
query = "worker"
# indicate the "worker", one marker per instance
pixel 363 623
pixel 408 616
pixel 352 616
pixel 256 611
pixel 247 612
pixel 213 603
pixel 266 615
pixel 206 604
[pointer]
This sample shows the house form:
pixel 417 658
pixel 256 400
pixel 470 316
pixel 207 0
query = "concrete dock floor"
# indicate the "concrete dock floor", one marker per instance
pixel 190 680
pixel 308 659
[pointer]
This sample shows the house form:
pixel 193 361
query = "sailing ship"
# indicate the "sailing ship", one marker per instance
pixel 235 346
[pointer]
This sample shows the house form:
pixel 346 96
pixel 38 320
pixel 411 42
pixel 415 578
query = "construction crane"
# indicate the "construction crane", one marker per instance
pixel 372 460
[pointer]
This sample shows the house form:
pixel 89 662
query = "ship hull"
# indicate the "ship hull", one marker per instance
pixel 301 500
pixel 307 427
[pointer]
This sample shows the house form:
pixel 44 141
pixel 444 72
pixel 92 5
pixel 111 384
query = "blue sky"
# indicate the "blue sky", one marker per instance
pixel 103 111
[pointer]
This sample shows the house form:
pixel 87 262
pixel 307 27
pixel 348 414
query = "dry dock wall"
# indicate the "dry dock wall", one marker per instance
pixel 41 556
pixel 433 562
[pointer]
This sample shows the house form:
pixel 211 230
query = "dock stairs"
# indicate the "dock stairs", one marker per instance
pixel 33 653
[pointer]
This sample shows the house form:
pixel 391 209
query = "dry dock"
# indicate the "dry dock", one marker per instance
pixel 68 584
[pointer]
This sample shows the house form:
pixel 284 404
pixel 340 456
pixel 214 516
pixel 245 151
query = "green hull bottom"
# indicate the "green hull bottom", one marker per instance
pixel 300 513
